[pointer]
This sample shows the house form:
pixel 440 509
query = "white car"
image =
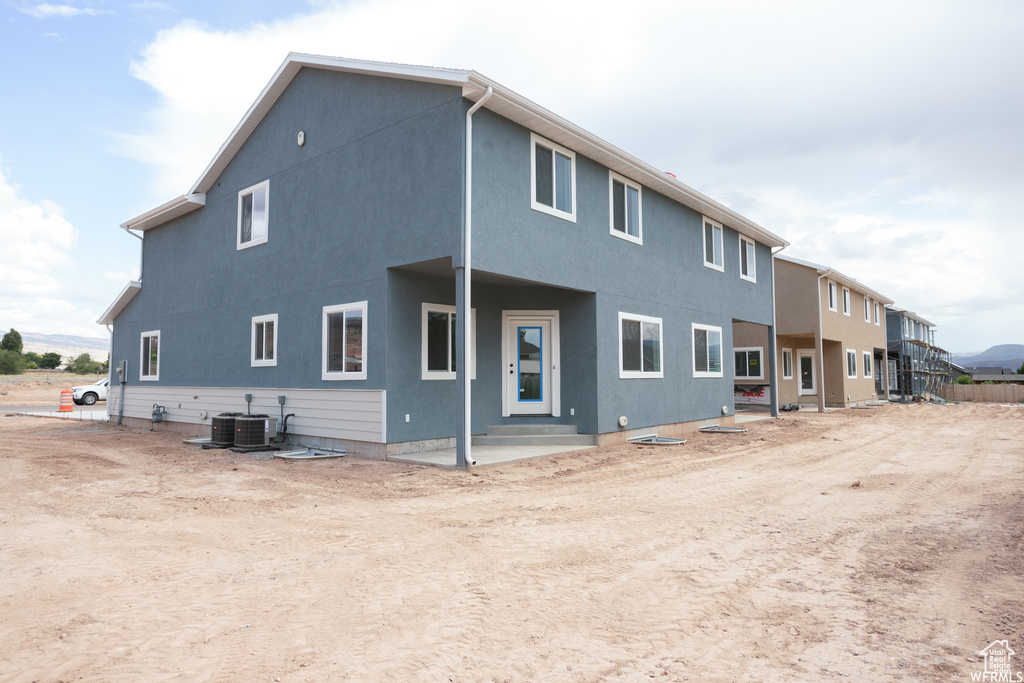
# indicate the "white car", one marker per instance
pixel 91 393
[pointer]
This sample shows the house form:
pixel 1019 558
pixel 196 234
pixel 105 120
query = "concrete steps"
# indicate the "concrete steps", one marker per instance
pixel 534 435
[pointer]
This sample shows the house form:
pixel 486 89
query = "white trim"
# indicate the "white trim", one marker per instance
pixel 263 362
pixel 833 296
pixel 751 275
pixel 846 301
pixel 693 351
pixel 326 374
pixel 641 373
pixel 142 356
pixel 265 185
pixel 122 300
pixel 851 353
pixel 719 243
pixel 628 184
pixel 760 361
pixel 506 354
pixel 867 360
pixel 555 148
pixel 786 352
pixel 425 310
pixel 167 211
pixel 800 355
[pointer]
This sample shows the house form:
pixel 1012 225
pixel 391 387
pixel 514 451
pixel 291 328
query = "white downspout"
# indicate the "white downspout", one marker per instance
pixel 467 317
pixel 821 346
pixel 775 337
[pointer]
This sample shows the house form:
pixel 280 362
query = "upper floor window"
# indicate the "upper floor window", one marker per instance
pixel 707 351
pixel 438 342
pixel 344 341
pixel 639 346
pixel 626 213
pixel 554 178
pixel 713 244
pixel 867 310
pixel 832 302
pixel 748 363
pixel 149 356
pixel 877 309
pixel 846 301
pixel 253 210
pixel 748 269
pixel 264 341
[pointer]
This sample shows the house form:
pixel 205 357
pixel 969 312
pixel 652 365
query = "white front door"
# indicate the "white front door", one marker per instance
pixel 530 364
pixel 806 369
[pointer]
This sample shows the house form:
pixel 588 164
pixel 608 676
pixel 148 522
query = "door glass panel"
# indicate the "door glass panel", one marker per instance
pixel 530 356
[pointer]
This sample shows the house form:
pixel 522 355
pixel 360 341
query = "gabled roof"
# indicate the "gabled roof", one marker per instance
pixel 504 102
pixel 165 212
pixel 912 316
pixel 834 274
pixel 126 295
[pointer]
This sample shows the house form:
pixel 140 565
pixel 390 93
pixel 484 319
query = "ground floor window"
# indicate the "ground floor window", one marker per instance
pixel 438 326
pixel 851 364
pixel 748 363
pixel 867 364
pixel 264 341
pixel 787 364
pixel 344 341
pixel 639 346
pixel 149 362
pixel 707 351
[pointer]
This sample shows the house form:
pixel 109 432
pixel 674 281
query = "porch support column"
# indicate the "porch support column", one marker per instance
pixel 773 375
pixel 461 376
pixel 819 352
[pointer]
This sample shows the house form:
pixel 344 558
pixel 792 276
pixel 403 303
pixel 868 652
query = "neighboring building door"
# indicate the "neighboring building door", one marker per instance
pixel 806 363
pixel 530 364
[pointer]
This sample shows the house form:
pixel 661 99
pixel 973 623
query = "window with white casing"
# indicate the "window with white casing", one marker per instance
pixel 149 356
pixel 787 364
pixel 877 311
pixel 264 341
pixel 851 364
pixel 748 363
pixel 640 347
pixel 846 301
pixel 748 266
pixel 625 208
pixel 867 310
pixel 713 245
pixel 437 356
pixel 253 215
pixel 832 300
pixel 553 176
pixel 707 350
pixel 344 341
pixel 867 364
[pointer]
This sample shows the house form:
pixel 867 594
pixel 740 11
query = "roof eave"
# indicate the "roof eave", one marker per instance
pixel 122 300
pixel 845 280
pixel 178 206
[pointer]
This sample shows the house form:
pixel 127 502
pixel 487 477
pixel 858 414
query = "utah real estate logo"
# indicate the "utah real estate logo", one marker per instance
pixel 997 665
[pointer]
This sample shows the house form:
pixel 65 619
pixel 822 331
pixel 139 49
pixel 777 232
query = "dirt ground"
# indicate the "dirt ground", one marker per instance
pixel 860 545
pixel 39 388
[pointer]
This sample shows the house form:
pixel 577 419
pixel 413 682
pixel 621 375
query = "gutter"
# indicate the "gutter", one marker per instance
pixel 821 347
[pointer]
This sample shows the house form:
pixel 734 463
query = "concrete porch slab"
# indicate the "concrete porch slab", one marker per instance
pixel 485 456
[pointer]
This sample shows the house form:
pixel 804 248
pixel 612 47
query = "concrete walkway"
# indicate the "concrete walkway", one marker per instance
pixel 485 456
pixel 79 413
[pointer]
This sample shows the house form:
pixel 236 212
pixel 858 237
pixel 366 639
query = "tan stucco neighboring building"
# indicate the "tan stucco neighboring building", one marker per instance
pixel 830 337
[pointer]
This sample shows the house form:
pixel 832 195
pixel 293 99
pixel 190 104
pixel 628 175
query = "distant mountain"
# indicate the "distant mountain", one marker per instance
pixel 999 356
pixel 65 344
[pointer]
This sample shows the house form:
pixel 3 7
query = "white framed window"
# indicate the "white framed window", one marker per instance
pixel 748 363
pixel 639 347
pixel 707 350
pixel 866 357
pixel 867 310
pixel 832 300
pixel 253 215
pixel 264 341
pixel 748 265
pixel 878 320
pixel 624 204
pixel 149 356
pixel 846 301
pixel 344 341
pixel 437 357
pixel 552 178
pixel 851 364
pixel 787 364
pixel 713 244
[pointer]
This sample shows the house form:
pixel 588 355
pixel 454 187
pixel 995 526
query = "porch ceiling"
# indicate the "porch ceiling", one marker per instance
pixel 442 268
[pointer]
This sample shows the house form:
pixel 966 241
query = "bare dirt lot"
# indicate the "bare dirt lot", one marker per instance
pixel 39 388
pixel 861 545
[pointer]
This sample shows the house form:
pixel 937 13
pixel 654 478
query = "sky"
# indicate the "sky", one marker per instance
pixel 883 139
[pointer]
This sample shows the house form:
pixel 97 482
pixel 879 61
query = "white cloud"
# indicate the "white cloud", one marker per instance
pixel 47 11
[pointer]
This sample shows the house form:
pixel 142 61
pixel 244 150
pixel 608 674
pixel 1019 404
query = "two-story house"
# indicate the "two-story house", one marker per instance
pixel 915 364
pixel 372 234
pixel 830 337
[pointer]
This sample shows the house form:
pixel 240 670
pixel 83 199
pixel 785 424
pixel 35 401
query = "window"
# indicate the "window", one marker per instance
pixel 344 341
pixel 867 310
pixel 624 205
pixel 264 341
pixel 149 357
pixel 253 210
pixel 846 301
pixel 748 363
pixel 851 364
pixel 438 346
pixel 867 364
pixel 554 178
pixel 707 351
pixel 748 270
pixel 832 296
pixel 877 318
pixel 639 346
pixel 787 364
pixel 713 245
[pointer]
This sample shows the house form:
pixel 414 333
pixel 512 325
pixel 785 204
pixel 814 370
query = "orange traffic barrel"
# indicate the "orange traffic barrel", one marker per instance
pixel 66 402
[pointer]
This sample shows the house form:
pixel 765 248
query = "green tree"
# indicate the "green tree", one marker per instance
pixel 11 363
pixel 964 379
pixel 83 365
pixel 49 360
pixel 1020 370
pixel 32 357
pixel 12 342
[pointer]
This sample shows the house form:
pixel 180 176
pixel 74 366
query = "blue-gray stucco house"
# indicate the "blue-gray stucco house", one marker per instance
pixel 322 256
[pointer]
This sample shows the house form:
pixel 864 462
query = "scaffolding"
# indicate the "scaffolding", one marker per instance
pixel 920 368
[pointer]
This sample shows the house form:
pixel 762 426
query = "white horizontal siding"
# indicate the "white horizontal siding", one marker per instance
pixel 328 413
